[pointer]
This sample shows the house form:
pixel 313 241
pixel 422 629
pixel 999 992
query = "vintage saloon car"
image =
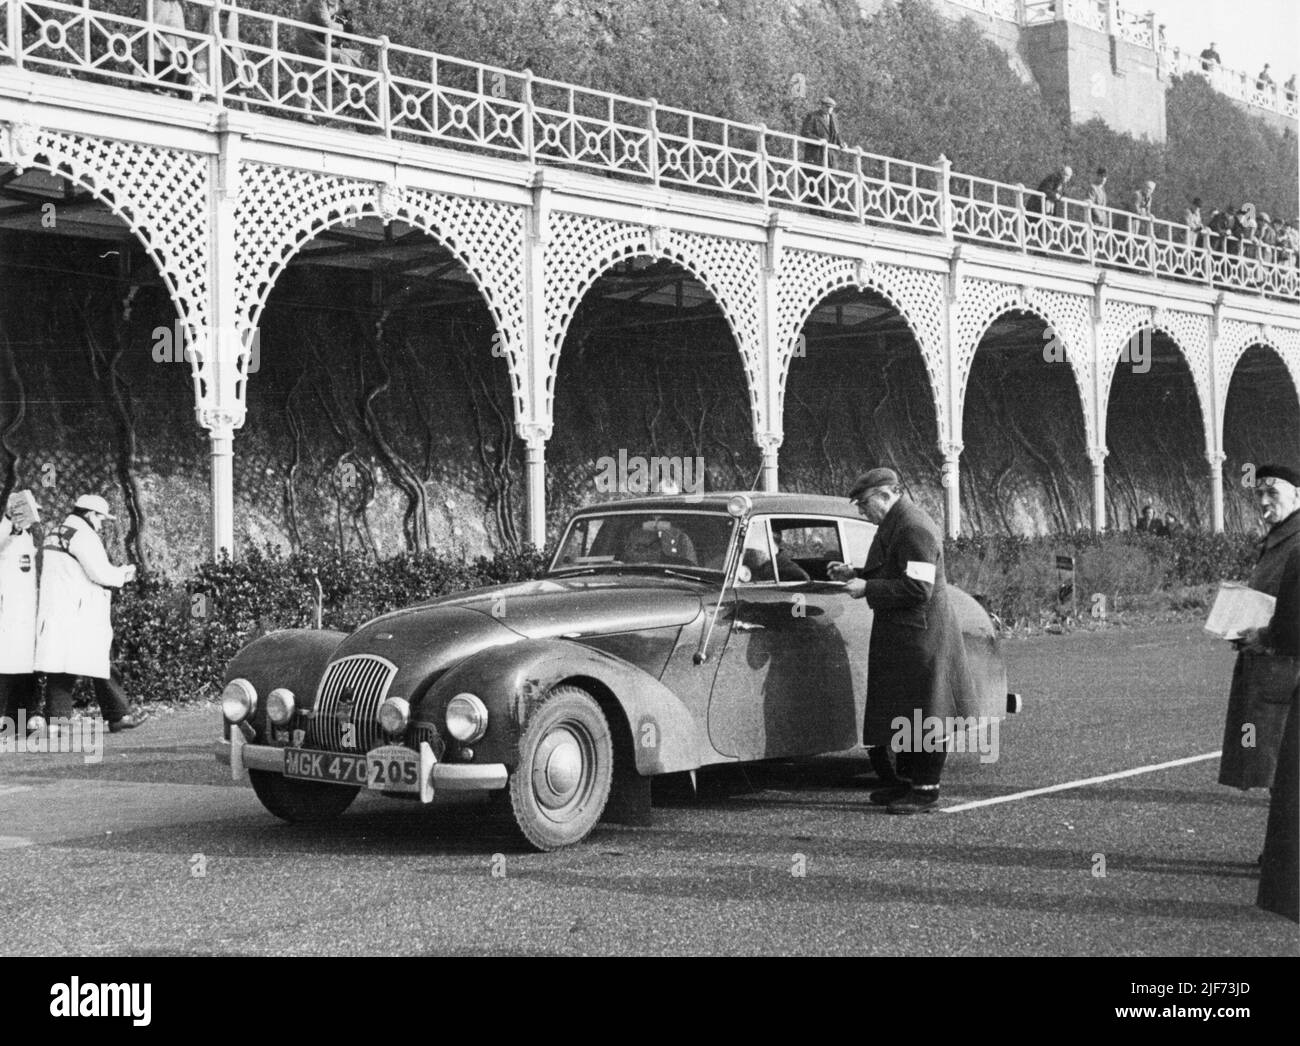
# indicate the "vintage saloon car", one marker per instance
pixel 669 634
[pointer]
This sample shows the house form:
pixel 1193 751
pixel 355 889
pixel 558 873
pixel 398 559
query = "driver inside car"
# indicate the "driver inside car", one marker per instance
pixel 642 546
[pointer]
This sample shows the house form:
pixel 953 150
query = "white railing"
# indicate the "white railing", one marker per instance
pixel 265 64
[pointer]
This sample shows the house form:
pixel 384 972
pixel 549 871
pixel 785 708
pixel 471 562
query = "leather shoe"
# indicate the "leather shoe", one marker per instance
pixel 127 722
pixel 885 796
pixel 916 802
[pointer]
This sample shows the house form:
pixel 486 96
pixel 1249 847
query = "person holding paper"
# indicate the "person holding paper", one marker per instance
pixel 1267 671
pixel 74 630
pixel 917 660
pixel 18 606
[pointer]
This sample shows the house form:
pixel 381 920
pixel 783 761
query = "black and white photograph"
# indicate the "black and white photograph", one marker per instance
pixel 651 478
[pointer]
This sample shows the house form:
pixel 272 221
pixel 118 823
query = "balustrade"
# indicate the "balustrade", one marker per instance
pixel 263 63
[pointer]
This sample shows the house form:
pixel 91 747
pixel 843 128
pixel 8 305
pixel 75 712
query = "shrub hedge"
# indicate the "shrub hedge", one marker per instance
pixel 175 636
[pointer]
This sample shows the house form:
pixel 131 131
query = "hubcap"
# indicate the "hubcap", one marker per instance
pixel 559 769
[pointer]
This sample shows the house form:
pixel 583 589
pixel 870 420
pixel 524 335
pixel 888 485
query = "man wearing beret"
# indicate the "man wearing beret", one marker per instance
pixel 1260 734
pixel 917 661
pixel 1268 658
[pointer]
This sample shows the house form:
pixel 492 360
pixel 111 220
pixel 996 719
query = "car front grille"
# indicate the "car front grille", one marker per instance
pixel 350 694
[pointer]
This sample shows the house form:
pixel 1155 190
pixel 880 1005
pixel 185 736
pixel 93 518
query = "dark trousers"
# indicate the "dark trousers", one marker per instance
pixel 922 769
pixel 1279 878
pixel 108 692
pixel 18 692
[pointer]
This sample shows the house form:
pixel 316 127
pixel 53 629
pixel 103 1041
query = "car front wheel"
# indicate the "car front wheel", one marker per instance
pixel 566 763
pixel 300 802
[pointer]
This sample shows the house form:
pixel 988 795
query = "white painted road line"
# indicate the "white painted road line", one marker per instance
pixel 13 842
pixel 15 789
pixel 1078 784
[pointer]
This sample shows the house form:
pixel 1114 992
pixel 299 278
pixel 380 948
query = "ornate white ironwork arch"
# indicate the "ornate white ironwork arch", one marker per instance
pixel 281 209
pixel 1235 339
pixel 580 249
pixel 161 195
pixel 1189 332
pixel 806 278
pixel 1067 317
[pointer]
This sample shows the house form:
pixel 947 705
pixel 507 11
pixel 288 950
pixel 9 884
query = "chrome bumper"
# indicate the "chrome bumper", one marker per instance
pixel 241 756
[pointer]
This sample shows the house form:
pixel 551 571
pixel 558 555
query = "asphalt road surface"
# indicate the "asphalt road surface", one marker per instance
pixel 155 852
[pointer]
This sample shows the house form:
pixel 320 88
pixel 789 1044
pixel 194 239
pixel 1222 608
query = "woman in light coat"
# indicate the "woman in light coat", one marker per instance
pixel 74 629
pixel 17 618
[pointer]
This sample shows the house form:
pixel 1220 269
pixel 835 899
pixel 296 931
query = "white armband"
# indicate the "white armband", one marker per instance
pixel 919 570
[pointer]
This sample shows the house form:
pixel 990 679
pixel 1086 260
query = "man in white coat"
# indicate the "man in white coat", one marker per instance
pixel 17 616
pixel 74 629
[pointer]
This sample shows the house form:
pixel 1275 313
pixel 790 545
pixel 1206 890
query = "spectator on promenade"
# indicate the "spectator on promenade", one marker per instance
pixel 1053 189
pixel 1263 81
pixel 1217 226
pixel 317 44
pixel 1291 242
pixel 1245 229
pixel 1222 224
pixel 1267 236
pixel 1210 58
pixel 170 58
pixel 1147 522
pixel 820 124
pixel 1144 219
pixel 1169 526
pixel 1197 234
pixel 1288 89
pixel 1097 199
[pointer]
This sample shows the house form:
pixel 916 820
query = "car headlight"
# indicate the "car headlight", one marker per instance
pixel 740 505
pixel 279 706
pixel 467 718
pixel 394 715
pixel 238 700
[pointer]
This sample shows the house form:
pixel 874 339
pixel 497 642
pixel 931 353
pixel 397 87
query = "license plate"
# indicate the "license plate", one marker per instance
pixel 393 769
pixel 306 765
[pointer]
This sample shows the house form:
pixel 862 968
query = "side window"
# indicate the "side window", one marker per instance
pixel 804 547
pixel 858 535
pixel 756 556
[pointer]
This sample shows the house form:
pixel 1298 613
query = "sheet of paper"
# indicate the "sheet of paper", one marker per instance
pixel 1238 607
pixel 23 510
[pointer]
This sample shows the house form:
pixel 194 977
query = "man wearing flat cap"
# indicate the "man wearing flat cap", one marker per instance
pixel 74 630
pixel 820 125
pixel 917 662
pixel 1260 734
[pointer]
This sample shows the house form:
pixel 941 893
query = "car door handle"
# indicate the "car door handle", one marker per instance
pixel 747 626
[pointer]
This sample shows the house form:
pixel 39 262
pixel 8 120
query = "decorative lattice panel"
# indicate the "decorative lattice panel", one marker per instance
pixel 579 249
pixel 161 194
pixel 805 278
pixel 1190 332
pixel 981 302
pixel 1235 337
pixel 282 208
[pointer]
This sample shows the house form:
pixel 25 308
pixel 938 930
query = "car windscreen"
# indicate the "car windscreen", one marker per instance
pixel 617 540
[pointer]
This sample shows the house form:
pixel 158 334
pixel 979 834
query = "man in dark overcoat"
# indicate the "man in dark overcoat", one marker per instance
pixel 916 668
pixel 1268 660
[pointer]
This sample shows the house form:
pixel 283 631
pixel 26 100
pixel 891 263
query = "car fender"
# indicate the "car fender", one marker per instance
pixel 294 658
pixel 512 681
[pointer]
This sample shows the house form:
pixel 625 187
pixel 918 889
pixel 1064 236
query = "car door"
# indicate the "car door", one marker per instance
pixel 785 680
